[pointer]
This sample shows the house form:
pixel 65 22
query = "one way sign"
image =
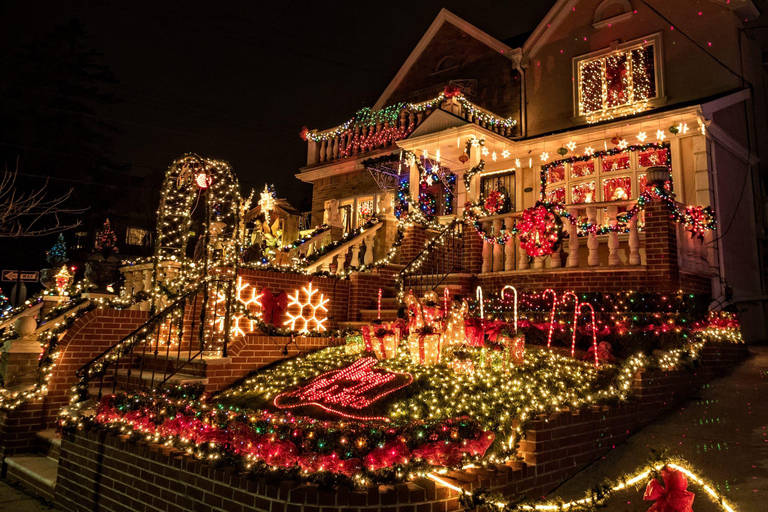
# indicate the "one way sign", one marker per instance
pixel 27 276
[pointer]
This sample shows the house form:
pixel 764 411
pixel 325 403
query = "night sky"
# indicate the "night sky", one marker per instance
pixel 238 80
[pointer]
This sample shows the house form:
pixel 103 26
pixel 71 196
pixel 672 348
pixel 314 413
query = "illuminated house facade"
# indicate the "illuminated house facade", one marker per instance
pixel 576 114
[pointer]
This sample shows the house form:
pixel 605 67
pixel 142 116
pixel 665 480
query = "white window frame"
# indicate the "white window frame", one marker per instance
pixel 658 60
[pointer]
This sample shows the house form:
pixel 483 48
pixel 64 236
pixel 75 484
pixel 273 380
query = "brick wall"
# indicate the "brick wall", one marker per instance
pixel 356 183
pixel 364 291
pixel 101 471
pixel 335 289
pixel 90 335
pixel 414 238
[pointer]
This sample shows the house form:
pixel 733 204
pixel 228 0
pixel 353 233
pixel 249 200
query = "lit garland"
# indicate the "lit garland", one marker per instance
pixel 597 496
pixel 367 117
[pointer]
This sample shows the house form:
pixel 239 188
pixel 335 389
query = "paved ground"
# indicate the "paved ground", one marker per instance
pixel 721 432
pixel 14 500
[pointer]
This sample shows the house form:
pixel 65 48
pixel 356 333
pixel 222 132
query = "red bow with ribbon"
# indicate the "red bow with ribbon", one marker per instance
pixel 672 496
pixel 273 306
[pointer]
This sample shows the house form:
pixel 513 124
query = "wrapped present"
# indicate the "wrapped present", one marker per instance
pixel 473 330
pixel 385 341
pixel 355 344
pixel 496 356
pixel 515 346
pixel 367 338
pixel 424 347
pixel 463 366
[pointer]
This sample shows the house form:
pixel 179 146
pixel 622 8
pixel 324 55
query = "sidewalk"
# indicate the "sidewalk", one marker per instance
pixel 721 432
pixel 15 500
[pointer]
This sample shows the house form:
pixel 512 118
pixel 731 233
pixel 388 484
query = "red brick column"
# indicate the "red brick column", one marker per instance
pixel 661 248
pixel 414 238
pixel 473 250
pixel 363 292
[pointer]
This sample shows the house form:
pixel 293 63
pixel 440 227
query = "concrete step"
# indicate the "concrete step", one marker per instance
pixel 145 380
pixel 49 443
pixel 36 473
pixel 169 363
pixel 369 315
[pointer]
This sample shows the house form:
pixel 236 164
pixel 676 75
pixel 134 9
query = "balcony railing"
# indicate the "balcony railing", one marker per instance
pixel 593 250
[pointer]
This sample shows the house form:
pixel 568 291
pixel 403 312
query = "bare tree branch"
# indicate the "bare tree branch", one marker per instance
pixel 32 213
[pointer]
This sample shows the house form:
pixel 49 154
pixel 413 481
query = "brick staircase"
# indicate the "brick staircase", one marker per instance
pixel 37 472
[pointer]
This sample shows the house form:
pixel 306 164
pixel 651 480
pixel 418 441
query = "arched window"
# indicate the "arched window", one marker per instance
pixel 446 63
pixel 611 11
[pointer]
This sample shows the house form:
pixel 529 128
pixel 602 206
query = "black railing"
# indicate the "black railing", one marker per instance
pixel 442 256
pixel 196 323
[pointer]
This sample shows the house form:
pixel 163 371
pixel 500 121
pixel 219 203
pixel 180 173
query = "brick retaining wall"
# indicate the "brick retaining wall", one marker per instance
pixel 103 471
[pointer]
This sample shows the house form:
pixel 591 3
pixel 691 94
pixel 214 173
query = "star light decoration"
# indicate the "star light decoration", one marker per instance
pixel 661 135
pixel 267 202
pixel 484 151
pixel 589 151
pixel 544 156
pixel 642 136
pixel 622 144
pixel 310 310
pixel 494 156
pixel 571 146
pixel 505 153
pixel 682 128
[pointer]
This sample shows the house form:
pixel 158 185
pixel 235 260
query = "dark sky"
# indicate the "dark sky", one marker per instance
pixel 238 80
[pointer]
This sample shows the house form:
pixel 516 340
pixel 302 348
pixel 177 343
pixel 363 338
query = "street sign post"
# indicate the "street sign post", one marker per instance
pixel 26 276
pixel 19 292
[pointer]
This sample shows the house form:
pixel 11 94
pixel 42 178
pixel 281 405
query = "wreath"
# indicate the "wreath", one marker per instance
pixel 494 202
pixel 540 230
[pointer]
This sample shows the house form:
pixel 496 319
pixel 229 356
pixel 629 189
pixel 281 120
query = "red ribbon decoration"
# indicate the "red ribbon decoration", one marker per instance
pixel 273 306
pixel 672 496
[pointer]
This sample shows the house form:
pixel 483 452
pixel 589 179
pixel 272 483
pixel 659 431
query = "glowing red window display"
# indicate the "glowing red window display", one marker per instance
pixel 617 189
pixel 556 195
pixel 615 163
pixel 583 193
pixel 653 157
pixel 581 169
pixel 555 174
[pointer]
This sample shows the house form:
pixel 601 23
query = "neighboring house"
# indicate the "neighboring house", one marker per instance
pixel 616 80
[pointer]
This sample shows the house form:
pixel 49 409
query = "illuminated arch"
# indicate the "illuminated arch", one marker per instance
pixel 192 182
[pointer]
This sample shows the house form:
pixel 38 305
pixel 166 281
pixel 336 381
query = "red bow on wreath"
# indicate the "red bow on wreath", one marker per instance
pixel 273 306
pixel 672 496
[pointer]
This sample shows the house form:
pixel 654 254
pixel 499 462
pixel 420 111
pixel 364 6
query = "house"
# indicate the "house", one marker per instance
pixel 599 93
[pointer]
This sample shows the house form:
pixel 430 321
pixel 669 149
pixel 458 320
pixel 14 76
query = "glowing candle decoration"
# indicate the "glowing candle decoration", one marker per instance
pixel 502 298
pixel 378 307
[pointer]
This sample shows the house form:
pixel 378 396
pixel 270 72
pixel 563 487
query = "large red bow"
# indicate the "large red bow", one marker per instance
pixel 672 496
pixel 273 306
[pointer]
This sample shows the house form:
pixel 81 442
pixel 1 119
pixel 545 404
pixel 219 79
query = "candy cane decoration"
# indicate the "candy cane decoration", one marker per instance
pixel 575 317
pixel 551 316
pixel 446 294
pixel 479 297
pixel 594 332
pixel 502 298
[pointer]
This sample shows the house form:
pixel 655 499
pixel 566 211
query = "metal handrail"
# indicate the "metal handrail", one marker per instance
pixel 162 325
pixel 449 259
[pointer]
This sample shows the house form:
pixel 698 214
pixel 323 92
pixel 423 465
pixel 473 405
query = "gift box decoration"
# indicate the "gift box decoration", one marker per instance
pixel 515 347
pixel 385 342
pixel 463 365
pixel 424 347
pixel 355 344
pixel 496 356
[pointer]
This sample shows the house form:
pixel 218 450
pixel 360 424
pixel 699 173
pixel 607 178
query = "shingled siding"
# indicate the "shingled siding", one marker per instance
pixel 105 472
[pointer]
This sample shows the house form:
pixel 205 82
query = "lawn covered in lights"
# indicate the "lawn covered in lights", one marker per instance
pixel 494 396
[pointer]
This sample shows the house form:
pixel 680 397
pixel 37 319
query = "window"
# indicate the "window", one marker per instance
pixel 504 183
pixel 602 179
pixel 619 82
pixel 137 236
pixel 364 210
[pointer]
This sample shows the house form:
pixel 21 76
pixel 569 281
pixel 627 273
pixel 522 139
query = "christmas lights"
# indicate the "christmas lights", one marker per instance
pixel 311 312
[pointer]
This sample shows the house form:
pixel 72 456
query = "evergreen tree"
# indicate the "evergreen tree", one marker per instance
pixel 57 255
pixel 106 239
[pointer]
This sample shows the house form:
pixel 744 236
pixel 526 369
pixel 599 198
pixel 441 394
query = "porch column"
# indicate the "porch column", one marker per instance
pixel 613 237
pixel 498 250
pixel 573 239
pixel 593 259
pixel 509 249
pixel 487 251
pixel 634 242
pixel 522 257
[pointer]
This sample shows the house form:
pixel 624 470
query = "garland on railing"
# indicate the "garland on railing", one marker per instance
pixel 301 241
pixel 543 227
pixel 657 470
pixel 368 117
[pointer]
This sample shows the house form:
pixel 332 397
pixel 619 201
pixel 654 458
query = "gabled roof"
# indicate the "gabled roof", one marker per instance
pixel 443 17
pixel 562 8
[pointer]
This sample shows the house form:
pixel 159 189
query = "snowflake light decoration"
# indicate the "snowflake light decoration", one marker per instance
pixel 642 136
pixel 248 297
pixel 571 146
pixel 311 309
